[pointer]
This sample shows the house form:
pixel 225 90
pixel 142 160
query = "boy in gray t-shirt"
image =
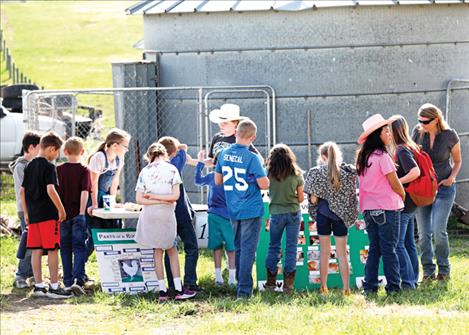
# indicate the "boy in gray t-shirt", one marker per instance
pixel 30 149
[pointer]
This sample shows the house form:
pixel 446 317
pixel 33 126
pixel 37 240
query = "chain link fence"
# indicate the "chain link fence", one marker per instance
pixel 148 114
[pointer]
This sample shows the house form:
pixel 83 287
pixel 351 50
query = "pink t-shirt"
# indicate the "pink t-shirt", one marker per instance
pixel 375 190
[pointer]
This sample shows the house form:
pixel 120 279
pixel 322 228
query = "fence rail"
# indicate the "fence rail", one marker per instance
pixel 14 73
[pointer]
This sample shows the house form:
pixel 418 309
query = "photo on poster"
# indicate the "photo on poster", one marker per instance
pixel 267 224
pixel 313 265
pixel 314 277
pixel 301 238
pixel 130 270
pixel 300 257
pixel 302 226
pixel 313 240
pixel 360 224
pixel 333 266
pixel 364 255
pixel 312 227
pixel 313 253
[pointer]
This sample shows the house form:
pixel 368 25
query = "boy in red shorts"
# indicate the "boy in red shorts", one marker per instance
pixel 43 212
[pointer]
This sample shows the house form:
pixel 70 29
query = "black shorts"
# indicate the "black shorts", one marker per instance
pixel 326 226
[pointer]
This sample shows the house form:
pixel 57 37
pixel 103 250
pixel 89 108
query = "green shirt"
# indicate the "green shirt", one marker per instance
pixel 283 198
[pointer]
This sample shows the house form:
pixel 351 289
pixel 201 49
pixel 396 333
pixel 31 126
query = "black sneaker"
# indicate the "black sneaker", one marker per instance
pixel 193 287
pixel 77 288
pixel 59 293
pixel 39 291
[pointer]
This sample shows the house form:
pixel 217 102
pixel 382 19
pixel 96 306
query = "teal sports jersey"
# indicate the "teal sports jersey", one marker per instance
pixel 240 169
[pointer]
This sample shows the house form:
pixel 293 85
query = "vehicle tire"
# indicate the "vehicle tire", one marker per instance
pixel 15 105
pixel 16 91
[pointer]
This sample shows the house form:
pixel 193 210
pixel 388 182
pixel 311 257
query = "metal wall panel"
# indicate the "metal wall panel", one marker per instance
pixel 328 27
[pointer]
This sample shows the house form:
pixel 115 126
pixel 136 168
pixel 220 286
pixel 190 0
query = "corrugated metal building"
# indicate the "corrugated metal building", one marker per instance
pixel 338 60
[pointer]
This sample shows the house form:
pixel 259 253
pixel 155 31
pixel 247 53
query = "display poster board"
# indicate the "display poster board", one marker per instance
pixel 308 252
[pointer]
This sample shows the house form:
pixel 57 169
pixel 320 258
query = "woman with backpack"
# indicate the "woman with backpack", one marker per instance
pixel 442 144
pixel 407 171
pixel 381 200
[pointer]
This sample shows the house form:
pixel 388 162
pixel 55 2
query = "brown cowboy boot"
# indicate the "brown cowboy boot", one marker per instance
pixel 288 280
pixel 271 282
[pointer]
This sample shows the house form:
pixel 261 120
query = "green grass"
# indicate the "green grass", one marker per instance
pixel 437 308
pixel 71 44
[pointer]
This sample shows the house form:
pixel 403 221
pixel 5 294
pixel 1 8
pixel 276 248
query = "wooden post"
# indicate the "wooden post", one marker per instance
pixel 17 74
pixel 13 71
pixel 8 63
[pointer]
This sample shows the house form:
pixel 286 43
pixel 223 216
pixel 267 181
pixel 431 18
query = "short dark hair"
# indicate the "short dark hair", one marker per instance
pixel 51 139
pixel 170 143
pixel 30 138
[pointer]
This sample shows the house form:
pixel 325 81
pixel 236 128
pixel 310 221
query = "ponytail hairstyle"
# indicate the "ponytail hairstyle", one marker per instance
pixel 430 111
pixel 372 143
pixel 332 152
pixel 154 151
pixel 115 135
pixel 281 163
pixel 400 132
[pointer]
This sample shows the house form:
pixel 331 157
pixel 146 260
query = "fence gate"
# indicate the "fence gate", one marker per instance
pixel 147 114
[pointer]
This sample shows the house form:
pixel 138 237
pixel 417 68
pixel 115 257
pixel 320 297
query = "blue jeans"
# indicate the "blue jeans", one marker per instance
pixel 407 252
pixel 186 232
pixel 73 234
pixel 383 233
pixel 24 265
pixel 290 223
pixel 432 221
pixel 246 234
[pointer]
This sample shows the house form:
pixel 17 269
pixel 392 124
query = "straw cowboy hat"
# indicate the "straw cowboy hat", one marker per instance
pixel 371 124
pixel 227 112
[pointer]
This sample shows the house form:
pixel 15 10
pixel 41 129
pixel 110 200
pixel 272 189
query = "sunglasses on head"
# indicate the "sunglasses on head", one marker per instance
pixel 426 121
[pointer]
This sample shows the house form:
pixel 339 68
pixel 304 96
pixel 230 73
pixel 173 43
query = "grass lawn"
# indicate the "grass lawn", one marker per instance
pixel 70 44
pixel 437 308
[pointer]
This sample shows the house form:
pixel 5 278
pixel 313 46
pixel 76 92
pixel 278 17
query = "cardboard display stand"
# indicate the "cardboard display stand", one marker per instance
pixel 308 251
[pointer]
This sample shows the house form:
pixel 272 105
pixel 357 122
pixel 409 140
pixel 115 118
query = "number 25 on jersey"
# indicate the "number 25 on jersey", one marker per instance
pixel 238 174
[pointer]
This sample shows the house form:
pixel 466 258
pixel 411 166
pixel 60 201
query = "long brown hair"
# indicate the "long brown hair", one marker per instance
pixel 332 152
pixel 282 163
pixel 115 135
pixel 430 111
pixel 400 132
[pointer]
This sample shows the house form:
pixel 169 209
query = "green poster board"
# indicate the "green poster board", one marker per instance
pixel 308 251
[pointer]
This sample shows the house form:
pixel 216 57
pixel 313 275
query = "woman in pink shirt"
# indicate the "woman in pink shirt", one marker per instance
pixel 381 200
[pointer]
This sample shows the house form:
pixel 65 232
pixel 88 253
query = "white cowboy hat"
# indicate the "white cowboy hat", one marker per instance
pixel 371 124
pixel 227 112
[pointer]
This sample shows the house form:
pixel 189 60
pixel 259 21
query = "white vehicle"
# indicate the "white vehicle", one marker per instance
pixel 12 127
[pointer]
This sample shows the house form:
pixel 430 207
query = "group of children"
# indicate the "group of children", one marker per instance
pixel 57 205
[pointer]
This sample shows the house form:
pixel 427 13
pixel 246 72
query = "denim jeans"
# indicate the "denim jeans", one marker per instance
pixel 73 234
pixel 24 265
pixel 290 223
pixel 432 221
pixel 246 234
pixel 186 232
pixel 383 233
pixel 407 252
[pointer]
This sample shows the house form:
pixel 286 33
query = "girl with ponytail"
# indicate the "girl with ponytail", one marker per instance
pixel 157 190
pixel 331 187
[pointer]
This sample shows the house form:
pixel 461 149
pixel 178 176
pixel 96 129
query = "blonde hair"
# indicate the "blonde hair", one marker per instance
pixel 400 132
pixel 246 129
pixel 154 151
pixel 430 111
pixel 171 144
pixel 115 135
pixel 332 152
pixel 74 145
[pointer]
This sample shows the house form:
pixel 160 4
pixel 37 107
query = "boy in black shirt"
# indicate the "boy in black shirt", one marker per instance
pixel 43 212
